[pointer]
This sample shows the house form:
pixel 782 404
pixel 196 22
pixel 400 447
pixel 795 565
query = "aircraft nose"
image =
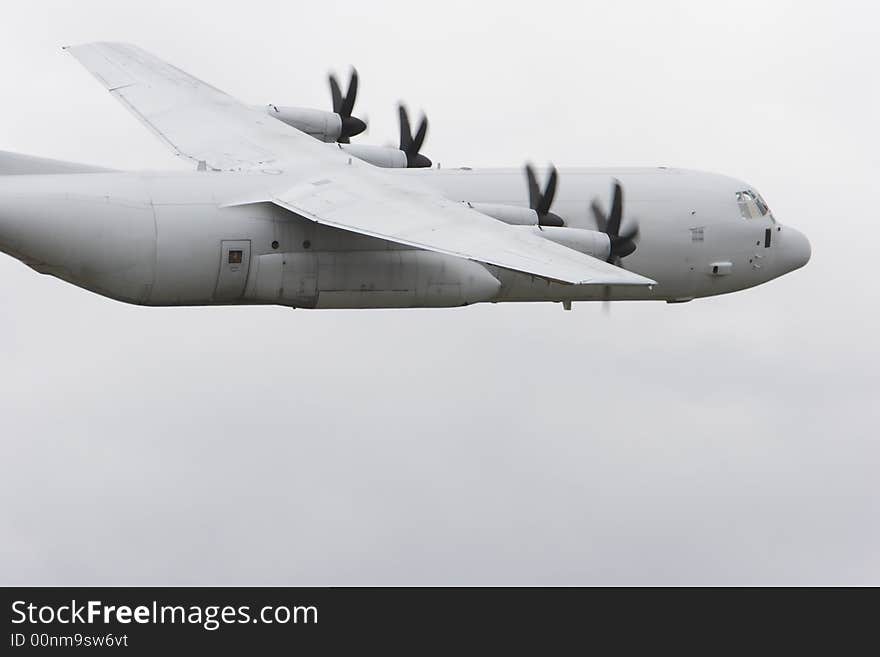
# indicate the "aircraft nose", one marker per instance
pixel 797 249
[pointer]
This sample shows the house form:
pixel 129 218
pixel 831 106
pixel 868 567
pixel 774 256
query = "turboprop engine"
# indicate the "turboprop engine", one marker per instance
pixel 323 126
pixel 335 127
pixel 405 156
pixel 611 242
pixel 591 242
pixel 380 156
pixel 338 125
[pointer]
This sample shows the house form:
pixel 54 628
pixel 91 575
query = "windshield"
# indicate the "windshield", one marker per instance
pixel 751 205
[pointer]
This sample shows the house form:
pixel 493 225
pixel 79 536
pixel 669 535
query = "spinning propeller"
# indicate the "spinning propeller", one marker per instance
pixel 622 243
pixel 411 145
pixel 539 201
pixel 344 105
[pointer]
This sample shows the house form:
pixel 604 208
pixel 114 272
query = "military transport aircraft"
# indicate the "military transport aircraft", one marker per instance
pixel 281 208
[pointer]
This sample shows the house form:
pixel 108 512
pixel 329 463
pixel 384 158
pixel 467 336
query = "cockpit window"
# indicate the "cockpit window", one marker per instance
pixel 761 205
pixel 751 205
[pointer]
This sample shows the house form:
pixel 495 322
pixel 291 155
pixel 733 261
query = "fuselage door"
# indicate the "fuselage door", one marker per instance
pixel 235 257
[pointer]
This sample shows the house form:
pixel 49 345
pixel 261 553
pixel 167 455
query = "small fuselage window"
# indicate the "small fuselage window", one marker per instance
pixel 751 205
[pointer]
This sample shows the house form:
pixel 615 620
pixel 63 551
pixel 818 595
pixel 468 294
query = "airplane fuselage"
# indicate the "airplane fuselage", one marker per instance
pixel 167 239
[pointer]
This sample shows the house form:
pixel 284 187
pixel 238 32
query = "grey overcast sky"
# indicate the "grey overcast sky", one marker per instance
pixel 731 440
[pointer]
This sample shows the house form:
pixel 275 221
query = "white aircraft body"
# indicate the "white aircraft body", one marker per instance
pixel 281 209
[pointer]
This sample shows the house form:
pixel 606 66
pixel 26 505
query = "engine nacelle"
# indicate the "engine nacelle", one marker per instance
pixel 591 242
pixel 324 126
pixel 380 156
pixel 509 214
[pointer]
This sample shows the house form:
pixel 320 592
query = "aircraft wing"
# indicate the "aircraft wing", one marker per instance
pixel 363 202
pixel 196 120
pixel 203 123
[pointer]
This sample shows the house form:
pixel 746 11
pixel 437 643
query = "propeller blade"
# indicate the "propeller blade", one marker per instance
pixel 344 105
pixel 624 248
pixel 549 192
pixel 551 219
pixel 534 190
pixel 630 233
pixel 336 93
pixel 348 102
pixel 405 130
pixel 410 145
pixel 419 139
pixel 599 216
pixel 622 244
pixel 541 202
pixel 418 161
pixel 616 210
